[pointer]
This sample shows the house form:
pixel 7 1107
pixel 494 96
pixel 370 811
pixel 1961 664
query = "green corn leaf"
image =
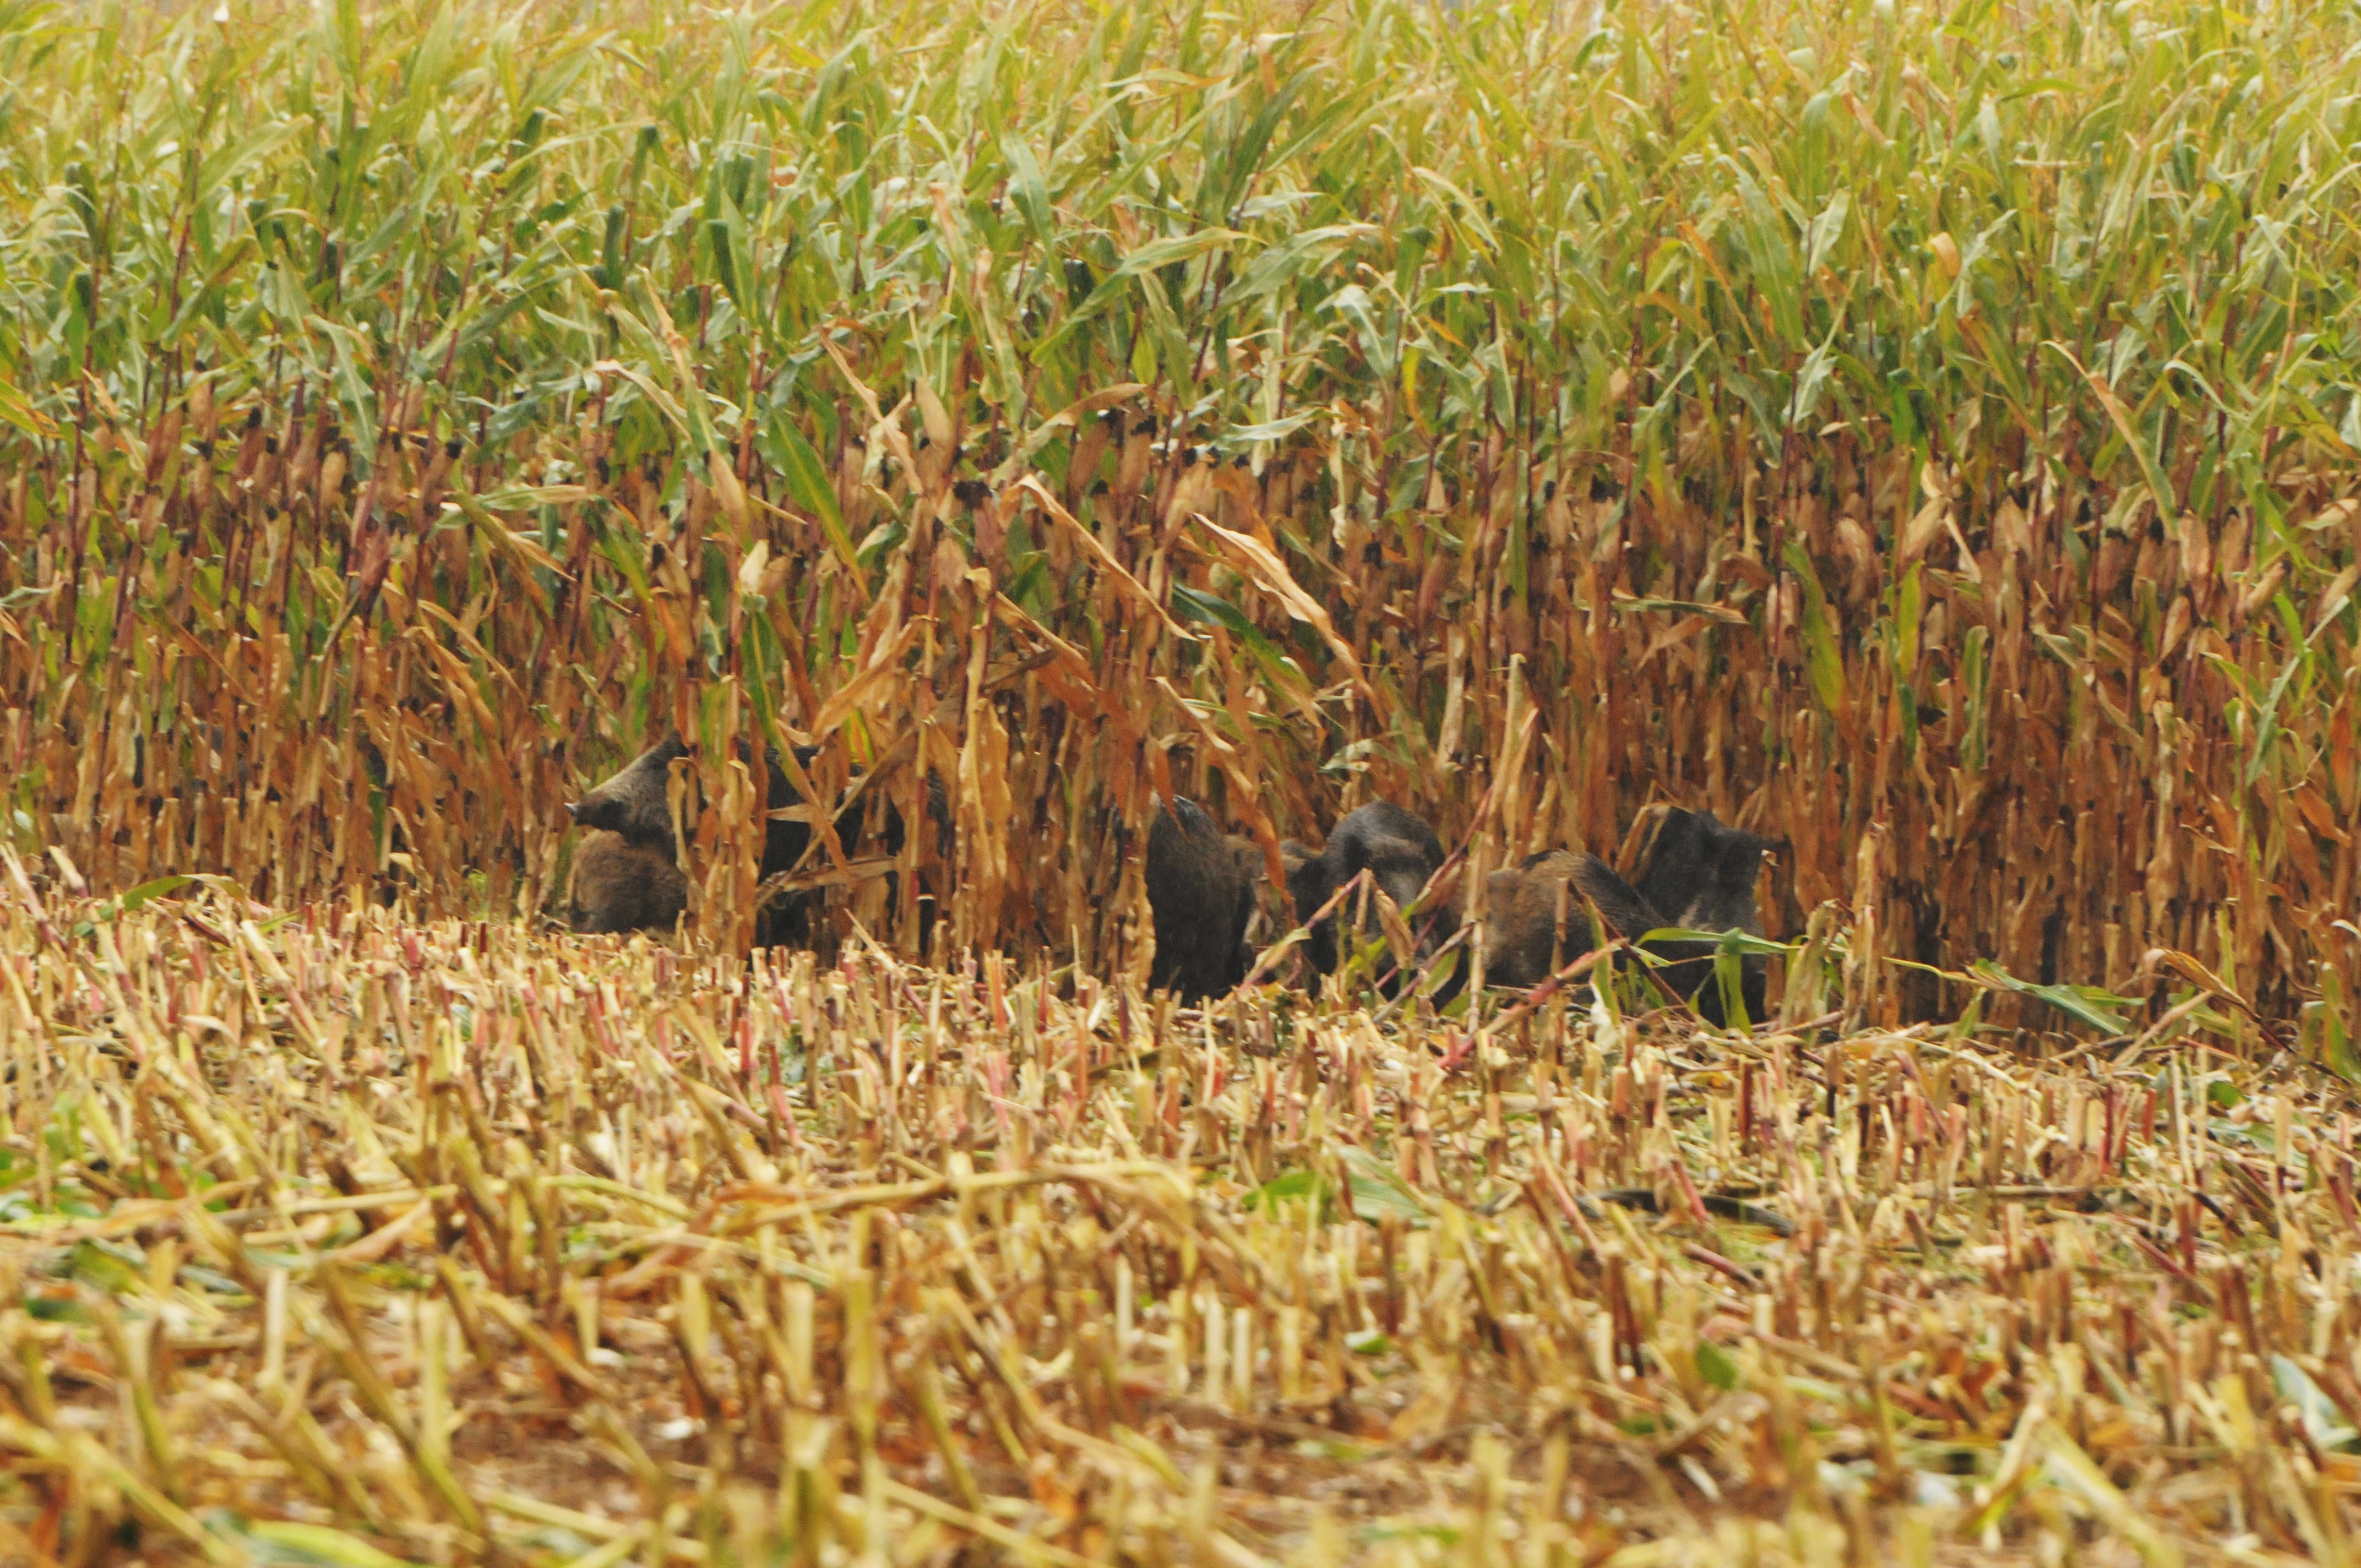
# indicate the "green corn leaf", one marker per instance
pixel 1823 656
pixel 783 447
pixel 2087 1004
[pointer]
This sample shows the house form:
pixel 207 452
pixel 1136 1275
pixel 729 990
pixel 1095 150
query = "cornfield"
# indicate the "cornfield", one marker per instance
pixel 1925 438
pixel 1926 446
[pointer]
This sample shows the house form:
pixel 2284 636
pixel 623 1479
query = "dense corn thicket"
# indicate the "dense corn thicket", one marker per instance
pixel 1923 436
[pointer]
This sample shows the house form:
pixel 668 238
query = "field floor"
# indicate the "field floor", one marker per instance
pixel 330 1240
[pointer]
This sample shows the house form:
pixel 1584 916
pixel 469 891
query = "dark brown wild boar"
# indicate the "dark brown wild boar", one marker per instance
pixel 632 804
pixel 618 885
pixel 1396 846
pixel 1524 942
pixel 1201 894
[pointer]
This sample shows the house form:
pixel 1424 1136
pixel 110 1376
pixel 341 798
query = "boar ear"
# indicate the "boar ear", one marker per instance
pixel 1293 857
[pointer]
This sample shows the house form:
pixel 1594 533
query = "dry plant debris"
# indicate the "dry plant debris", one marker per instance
pixel 335 1239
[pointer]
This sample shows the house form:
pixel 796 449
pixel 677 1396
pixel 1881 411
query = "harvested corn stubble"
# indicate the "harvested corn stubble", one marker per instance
pixel 327 1233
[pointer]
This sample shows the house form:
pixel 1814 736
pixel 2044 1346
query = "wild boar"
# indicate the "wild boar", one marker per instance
pixel 1201 894
pixel 619 886
pixel 1522 941
pixel 1699 874
pixel 1395 846
pixel 632 804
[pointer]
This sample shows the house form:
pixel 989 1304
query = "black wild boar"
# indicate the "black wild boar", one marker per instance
pixel 1201 894
pixel 1522 945
pixel 1699 874
pixel 622 886
pixel 1396 846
